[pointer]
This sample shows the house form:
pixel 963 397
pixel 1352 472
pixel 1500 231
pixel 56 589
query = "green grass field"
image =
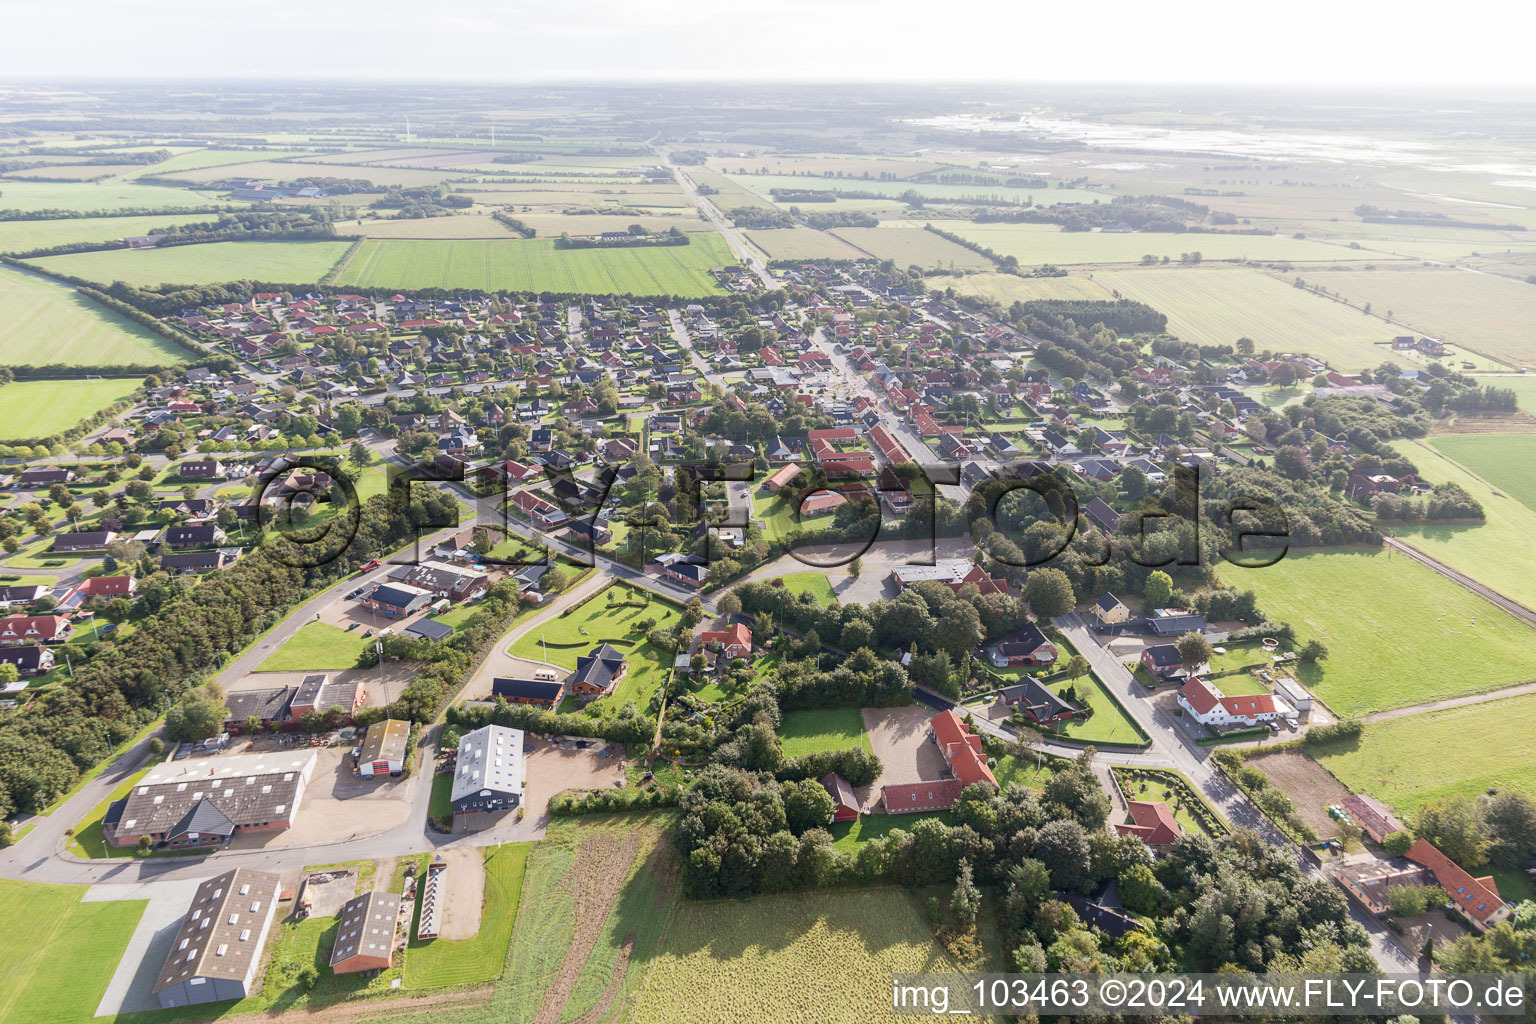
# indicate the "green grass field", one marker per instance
pixel 809 732
pixel 536 265
pixel 850 835
pixel 26 235
pixel 317 647
pixel 1218 305
pixel 106 195
pixel 202 158
pixel 42 408
pixel 209 263
pixel 1495 552
pixel 787 958
pixel 88 840
pixel 59 953
pixel 1483 312
pixel 814 583
pixel 440 962
pixel 43 322
pixel 1396 761
pixel 913 247
pixel 1397 633
pixel 1507 461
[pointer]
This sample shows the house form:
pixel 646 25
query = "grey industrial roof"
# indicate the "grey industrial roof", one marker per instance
pixel 490 758
pixel 247 788
pixel 220 936
pixel 367 928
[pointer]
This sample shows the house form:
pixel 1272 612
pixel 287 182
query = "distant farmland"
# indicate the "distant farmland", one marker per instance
pixel 106 195
pixel 913 247
pixel 27 235
pixel 536 265
pixel 1034 244
pixel 803 244
pixel 1486 313
pixel 42 323
pixel 1218 305
pixel 1010 288
pixel 211 263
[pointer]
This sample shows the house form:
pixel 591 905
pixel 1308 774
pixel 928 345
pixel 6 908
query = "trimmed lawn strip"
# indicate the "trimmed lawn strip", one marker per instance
pixel 809 732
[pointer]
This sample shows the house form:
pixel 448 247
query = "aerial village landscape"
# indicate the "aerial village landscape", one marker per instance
pixel 563 557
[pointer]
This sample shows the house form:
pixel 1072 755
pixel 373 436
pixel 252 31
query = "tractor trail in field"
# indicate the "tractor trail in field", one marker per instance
pixel 594 879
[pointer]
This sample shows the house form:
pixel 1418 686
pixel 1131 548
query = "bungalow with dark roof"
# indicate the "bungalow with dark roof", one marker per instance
pixel 396 600
pixel 1038 702
pixel 597 673
pixel 545 693
pixel 1027 645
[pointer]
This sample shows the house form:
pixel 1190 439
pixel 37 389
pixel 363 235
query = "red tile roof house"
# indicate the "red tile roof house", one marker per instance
pixel 1209 707
pixel 20 629
pixel 961 749
pixel 99 586
pixel 736 642
pixel 544 514
pixel 1477 898
pixel 1151 822
pixel 920 797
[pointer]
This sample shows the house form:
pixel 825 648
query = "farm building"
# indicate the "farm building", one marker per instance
pixel 183 804
pixel 1152 822
pixel 961 749
pixel 383 749
pixel 488 775
pixel 279 704
pixel 545 693
pixel 1371 881
pixel 845 806
pixel 1375 817
pixel 365 938
pixel 216 951
pixel 1206 705
pixel 921 797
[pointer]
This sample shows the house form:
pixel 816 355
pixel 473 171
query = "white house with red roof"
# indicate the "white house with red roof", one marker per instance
pixel 1209 706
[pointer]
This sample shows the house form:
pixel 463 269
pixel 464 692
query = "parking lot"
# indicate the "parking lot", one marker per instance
pixel 337 806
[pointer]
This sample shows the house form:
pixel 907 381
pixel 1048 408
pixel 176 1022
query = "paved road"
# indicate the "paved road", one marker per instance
pixel 733 238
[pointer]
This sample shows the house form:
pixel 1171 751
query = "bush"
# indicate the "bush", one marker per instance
pixel 858 766
pixel 1321 734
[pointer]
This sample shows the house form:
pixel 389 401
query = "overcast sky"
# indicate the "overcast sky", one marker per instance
pixel 1407 42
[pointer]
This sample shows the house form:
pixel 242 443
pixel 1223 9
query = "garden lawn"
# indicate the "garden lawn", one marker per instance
pixel 1397 633
pixel 536 265
pixel 814 583
pixel 58 954
pixel 1107 724
pixel 440 962
pixel 317 647
pixel 560 640
pixel 810 732
pixel 1496 552
pixel 779 518
pixel 207 263
pixel 787 958
pixel 43 322
pixel 1403 760
pixel 43 408
pixel 849 835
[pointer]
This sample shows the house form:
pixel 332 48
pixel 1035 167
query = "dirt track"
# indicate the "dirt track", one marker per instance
pixel 1309 786
pixel 595 877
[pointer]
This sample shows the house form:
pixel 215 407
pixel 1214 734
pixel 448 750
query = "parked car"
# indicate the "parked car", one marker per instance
pixel 367 634
pixel 352 625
